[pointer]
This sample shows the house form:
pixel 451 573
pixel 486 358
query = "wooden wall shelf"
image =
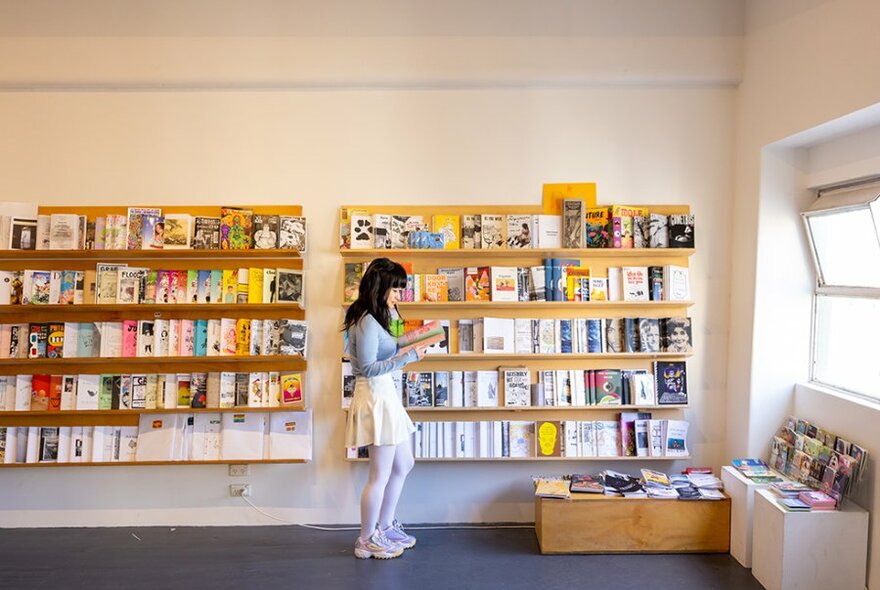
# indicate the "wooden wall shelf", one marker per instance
pixel 533 459
pixel 464 356
pixel 47 413
pixel 117 417
pixel 115 255
pixel 93 312
pixel 170 364
pixel 525 306
pixel 422 411
pixel 427 261
pixel 230 308
pixel 182 259
pixel 548 409
pixel 143 463
pixel 653 253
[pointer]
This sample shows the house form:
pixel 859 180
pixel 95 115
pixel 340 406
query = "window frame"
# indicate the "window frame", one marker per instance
pixel 821 289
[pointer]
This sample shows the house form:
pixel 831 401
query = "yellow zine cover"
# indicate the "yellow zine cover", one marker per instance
pixel 577 283
pixel 291 388
pixel 243 334
pixel 436 288
pixel 450 227
pixel 230 285
pixel 554 194
pixel 255 285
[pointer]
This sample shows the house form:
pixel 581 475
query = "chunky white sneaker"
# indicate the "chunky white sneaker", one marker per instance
pixel 377 546
pixel 398 536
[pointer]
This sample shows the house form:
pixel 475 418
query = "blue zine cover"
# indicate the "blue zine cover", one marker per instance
pixel 200 338
pixel 565 335
pixel 549 282
pixel 594 335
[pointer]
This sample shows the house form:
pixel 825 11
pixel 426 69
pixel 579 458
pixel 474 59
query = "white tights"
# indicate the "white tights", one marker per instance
pixel 389 466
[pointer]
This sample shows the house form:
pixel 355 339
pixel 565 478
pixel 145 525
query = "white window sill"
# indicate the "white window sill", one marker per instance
pixel 850 398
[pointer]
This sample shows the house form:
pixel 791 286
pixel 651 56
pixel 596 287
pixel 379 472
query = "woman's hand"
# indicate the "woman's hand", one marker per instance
pixel 420 352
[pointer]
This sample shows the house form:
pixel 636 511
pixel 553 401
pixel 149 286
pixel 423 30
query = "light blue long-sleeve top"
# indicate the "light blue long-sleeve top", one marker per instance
pixel 373 351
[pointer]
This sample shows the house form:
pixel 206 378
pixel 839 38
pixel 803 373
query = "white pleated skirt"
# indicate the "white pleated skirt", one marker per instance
pixel 376 416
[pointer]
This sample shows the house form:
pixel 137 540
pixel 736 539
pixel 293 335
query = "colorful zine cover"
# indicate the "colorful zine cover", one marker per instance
pixel 622 224
pixel 135 225
pixel 477 283
pixel 598 227
pixel 68 287
pixel 291 388
pixel 152 232
pixel 236 228
pixel 670 382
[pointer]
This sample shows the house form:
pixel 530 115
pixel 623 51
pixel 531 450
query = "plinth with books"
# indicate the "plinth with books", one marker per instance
pixel 617 513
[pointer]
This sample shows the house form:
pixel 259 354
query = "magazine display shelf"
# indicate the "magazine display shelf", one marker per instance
pixel 599 259
pixel 183 259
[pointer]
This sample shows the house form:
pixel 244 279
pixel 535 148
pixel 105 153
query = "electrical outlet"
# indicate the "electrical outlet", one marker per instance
pixel 238 470
pixel 240 489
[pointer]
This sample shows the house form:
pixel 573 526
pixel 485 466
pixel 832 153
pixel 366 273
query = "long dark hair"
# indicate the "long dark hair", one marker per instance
pixel 381 276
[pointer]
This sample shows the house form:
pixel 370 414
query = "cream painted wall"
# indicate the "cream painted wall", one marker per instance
pixel 806 109
pixel 100 44
pixel 325 149
pixel 381 101
pixel 805 63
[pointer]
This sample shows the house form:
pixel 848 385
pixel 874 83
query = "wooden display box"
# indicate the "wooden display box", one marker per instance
pixel 595 523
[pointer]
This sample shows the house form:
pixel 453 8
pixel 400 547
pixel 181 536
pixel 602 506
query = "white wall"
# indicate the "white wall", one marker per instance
pixel 368 43
pixel 806 109
pixel 794 79
pixel 325 149
pixel 383 101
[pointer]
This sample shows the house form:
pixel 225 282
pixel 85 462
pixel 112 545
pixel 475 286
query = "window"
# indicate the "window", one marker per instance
pixel 843 227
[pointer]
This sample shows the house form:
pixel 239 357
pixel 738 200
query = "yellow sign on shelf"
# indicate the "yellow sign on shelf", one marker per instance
pixel 554 194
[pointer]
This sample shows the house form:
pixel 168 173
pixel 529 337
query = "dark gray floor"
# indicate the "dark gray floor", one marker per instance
pixel 290 557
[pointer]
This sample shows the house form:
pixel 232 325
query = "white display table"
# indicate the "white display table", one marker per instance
pixel 806 550
pixel 742 499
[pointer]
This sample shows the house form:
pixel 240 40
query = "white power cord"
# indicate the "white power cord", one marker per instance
pixel 409 528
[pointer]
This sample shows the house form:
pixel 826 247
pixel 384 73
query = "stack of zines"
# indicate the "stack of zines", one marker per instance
pixel 798 497
pixel 694 484
pixel 621 484
pixel 756 470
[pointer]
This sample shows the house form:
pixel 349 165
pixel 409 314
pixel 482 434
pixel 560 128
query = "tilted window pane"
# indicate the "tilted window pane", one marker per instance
pixel 847 248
